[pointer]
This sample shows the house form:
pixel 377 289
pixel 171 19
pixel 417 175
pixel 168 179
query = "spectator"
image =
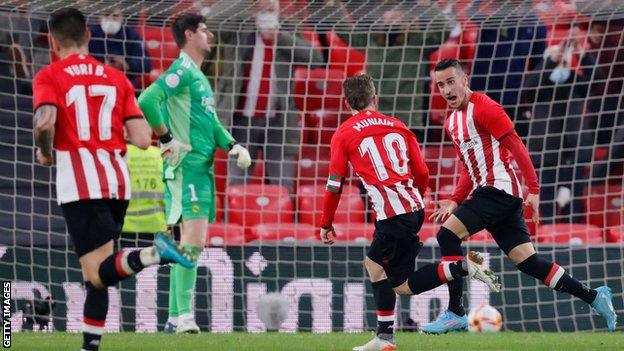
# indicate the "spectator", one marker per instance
pixel 254 92
pixel 325 16
pixel 119 46
pixel 606 44
pixel 504 52
pixel 559 141
pixel 397 54
pixel 30 33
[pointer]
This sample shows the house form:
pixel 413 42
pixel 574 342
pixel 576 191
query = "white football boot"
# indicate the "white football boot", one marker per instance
pixel 476 270
pixel 376 344
pixel 187 325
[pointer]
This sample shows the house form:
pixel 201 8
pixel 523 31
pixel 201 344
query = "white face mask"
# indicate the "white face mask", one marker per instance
pixel 205 11
pixel 267 21
pixel 110 27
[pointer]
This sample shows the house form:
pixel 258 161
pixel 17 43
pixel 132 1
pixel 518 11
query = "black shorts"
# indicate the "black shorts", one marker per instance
pixel 396 244
pixel 93 223
pixel 498 212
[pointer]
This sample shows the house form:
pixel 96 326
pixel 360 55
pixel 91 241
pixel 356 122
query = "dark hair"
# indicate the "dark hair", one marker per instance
pixel 446 63
pixel 186 21
pixel 69 27
pixel 359 91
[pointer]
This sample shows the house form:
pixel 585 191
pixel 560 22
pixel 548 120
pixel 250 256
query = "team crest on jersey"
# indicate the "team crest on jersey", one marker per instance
pixel 172 80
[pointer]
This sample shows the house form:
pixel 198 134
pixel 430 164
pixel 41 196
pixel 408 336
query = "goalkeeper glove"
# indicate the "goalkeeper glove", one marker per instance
pixel 171 149
pixel 243 160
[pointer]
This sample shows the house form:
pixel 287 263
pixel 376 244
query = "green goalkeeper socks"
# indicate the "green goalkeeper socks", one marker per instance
pixel 173 297
pixel 185 279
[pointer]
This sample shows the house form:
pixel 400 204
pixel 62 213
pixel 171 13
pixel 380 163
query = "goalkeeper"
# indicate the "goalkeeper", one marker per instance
pixel 179 107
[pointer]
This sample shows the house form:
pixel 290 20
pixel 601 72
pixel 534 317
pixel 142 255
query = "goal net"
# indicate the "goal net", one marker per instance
pixel 557 68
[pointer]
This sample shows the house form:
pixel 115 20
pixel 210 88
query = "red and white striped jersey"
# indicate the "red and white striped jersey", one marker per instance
pixel 385 155
pixel 475 132
pixel 93 101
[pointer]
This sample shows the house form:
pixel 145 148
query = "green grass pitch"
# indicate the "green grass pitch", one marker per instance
pixel 334 341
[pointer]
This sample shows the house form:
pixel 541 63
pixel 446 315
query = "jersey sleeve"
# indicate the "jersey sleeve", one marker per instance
pixel 494 119
pixel 131 105
pixel 338 164
pixel 150 102
pixel 338 167
pixel 221 135
pixel 169 84
pixel 44 92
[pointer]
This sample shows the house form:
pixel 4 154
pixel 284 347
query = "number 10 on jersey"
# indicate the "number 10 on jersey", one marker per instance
pixel 396 149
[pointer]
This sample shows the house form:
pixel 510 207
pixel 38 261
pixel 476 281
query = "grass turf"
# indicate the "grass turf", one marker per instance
pixel 334 341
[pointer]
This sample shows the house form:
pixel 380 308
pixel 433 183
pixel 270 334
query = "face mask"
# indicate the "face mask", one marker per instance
pixel 110 27
pixel 560 75
pixel 267 21
pixel 205 11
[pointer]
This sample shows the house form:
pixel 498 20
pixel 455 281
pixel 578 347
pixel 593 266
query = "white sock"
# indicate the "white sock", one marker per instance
pixel 149 256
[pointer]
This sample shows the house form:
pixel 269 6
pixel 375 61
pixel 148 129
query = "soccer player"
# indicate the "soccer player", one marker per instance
pixel 484 139
pixel 180 107
pixel 83 105
pixel 385 155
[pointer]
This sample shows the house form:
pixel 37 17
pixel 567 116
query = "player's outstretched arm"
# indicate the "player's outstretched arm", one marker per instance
pixel 338 167
pixel 44 121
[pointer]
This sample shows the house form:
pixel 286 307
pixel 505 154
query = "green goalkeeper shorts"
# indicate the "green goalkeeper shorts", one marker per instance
pixel 190 190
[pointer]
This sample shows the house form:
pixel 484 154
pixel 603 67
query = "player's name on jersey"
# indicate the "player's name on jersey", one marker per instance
pixel 368 122
pixel 84 69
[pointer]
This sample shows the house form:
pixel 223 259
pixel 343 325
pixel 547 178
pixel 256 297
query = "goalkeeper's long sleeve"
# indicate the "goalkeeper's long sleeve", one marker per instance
pixel 150 102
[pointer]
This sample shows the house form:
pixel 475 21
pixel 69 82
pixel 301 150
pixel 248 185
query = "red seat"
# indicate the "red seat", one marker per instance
pixel 358 232
pixel 160 47
pixel 605 205
pixel 313 165
pixel 615 234
pixel 569 233
pixel 428 232
pixel 221 172
pixel 251 204
pixel 286 232
pixel 344 58
pixel 318 89
pixel 225 234
pixel 443 166
pixel 468 44
pixel 319 126
pixel 310 205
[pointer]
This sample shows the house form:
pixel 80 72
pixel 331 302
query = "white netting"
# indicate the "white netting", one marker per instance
pixel 569 115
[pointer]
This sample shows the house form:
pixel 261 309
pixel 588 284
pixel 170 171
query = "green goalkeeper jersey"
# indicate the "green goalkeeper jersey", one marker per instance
pixel 183 100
